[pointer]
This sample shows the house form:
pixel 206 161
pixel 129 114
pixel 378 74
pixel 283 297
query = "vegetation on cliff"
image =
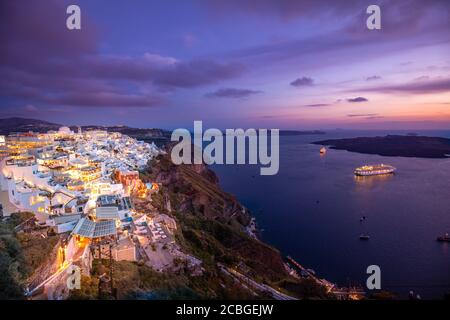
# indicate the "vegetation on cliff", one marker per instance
pixel 212 226
pixel 21 255
pixel 13 267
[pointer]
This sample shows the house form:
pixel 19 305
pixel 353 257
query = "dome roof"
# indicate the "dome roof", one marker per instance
pixel 64 130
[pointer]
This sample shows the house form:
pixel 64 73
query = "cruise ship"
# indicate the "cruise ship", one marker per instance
pixel 372 170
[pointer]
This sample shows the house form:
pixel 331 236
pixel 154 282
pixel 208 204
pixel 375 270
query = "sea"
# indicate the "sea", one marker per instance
pixel 315 209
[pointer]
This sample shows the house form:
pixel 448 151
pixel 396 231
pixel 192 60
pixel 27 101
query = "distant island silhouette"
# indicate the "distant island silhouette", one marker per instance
pixel 393 146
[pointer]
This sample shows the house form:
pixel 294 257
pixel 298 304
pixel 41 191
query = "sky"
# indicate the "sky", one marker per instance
pixel 288 64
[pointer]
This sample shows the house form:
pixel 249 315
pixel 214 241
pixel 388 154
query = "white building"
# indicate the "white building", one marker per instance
pixel 54 176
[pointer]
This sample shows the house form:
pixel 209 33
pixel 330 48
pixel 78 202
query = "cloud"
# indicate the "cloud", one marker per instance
pixel 367 116
pixel 317 105
pixel 422 78
pixel 374 117
pixel 232 93
pixel 400 17
pixel 158 60
pixel 355 115
pixel 416 87
pixel 439 68
pixel 283 9
pixel 357 99
pixel 35 32
pixel 196 73
pixel 373 78
pixel 42 62
pixel 105 99
pixel 164 72
pixel 302 82
pixel 30 108
pixel 189 40
pixel 406 24
pixel 268 117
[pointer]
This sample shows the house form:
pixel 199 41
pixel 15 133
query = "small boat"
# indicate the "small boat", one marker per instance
pixel 323 150
pixel 444 238
pixel 364 237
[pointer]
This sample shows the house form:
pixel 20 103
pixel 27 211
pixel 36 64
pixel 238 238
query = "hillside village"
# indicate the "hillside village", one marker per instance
pixel 81 187
pixel 135 226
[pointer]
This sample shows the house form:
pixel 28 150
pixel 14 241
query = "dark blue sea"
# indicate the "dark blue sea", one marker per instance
pixel 312 208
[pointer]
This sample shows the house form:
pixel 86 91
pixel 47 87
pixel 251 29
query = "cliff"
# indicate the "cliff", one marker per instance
pixel 212 226
pixel 213 221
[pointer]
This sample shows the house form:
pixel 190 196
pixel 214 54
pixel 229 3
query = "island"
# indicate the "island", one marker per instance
pixel 393 146
pixel 300 133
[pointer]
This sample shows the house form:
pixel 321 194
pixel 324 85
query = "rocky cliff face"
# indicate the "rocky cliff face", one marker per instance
pixel 194 189
pixel 213 226
pixel 213 222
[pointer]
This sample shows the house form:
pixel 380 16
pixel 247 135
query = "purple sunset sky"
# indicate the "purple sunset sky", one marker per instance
pixel 294 64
